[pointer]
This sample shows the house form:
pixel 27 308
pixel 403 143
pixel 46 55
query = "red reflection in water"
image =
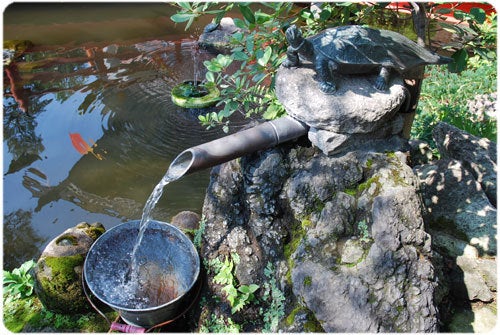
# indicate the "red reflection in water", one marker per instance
pixel 82 146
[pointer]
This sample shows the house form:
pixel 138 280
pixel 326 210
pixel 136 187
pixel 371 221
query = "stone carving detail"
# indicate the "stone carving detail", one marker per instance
pixel 356 49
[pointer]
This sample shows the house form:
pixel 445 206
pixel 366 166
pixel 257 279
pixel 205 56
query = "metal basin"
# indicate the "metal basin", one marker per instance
pixel 168 269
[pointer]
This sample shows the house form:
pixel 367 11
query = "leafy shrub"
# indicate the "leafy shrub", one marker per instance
pixel 446 96
pixel 258 52
pixel 476 34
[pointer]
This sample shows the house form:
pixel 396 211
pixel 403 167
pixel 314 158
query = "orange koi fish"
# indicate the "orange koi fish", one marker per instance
pixel 82 146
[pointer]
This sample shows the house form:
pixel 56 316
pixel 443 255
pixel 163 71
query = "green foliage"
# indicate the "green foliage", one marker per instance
pixel 218 324
pixel 237 295
pixel 17 312
pixel 272 294
pixel 363 231
pixel 19 283
pixel 445 96
pixel 198 234
pixel 192 10
pixel 90 322
pixel 476 33
pixel 334 14
pixel 246 75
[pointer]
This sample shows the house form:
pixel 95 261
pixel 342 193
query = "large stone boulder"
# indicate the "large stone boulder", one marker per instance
pixel 343 236
pixel 478 155
pixel 455 202
pixel 356 116
pixel 59 270
pixel 461 214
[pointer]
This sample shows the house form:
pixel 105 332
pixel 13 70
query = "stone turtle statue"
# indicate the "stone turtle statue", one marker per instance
pixel 357 50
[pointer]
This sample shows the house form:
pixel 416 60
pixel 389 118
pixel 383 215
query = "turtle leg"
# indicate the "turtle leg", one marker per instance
pixel 325 69
pixel 292 58
pixel 382 81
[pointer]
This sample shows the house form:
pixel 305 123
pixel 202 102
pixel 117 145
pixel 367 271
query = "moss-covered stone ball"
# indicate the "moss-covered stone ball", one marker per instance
pixel 58 272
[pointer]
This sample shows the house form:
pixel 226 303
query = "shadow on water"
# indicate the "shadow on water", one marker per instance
pixel 89 126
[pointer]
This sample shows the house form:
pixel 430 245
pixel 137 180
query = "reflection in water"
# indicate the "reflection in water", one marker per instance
pixel 20 241
pixel 116 93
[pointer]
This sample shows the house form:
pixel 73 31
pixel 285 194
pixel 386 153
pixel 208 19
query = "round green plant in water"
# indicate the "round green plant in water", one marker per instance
pixel 201 95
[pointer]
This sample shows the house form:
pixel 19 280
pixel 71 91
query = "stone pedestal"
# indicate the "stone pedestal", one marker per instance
pixel 356 116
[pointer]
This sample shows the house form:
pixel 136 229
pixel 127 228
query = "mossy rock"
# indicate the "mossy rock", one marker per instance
pixel 58 272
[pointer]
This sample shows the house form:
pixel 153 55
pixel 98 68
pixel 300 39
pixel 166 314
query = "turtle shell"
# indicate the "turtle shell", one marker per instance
pixel 366 47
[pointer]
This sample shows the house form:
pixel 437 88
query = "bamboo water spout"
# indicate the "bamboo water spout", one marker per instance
pixel 263 136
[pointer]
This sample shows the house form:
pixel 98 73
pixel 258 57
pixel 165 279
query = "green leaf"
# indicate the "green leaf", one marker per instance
pixel 261 17
pixel 459 61
pixel 250 43
pixel 459 15
pixel 325 15
pixel 240 23
pixel 247 13
pixel 182 17
pixel 265 57
pixel 212 66
pixel 450 27
pixel 27 266
pixel 230 291
pixel 185 5
pixel 240 56
pixel 224 60
pixel 479 14
pixel 248 289
pixel 259 77
pixel 443 11
pixel 210 77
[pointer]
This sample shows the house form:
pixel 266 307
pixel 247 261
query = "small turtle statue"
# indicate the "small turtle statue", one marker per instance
pixel 357 50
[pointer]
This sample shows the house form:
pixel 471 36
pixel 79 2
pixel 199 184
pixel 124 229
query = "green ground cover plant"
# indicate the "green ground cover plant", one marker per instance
pixel 237 295
pixel 447 97
pixel 23 311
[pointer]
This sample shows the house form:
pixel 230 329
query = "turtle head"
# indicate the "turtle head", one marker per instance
pixel 294 36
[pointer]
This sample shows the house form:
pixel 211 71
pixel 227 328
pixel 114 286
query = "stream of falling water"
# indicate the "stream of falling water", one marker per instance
pixel 133 279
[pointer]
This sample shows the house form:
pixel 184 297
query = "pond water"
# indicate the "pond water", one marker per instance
pixel 88 125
